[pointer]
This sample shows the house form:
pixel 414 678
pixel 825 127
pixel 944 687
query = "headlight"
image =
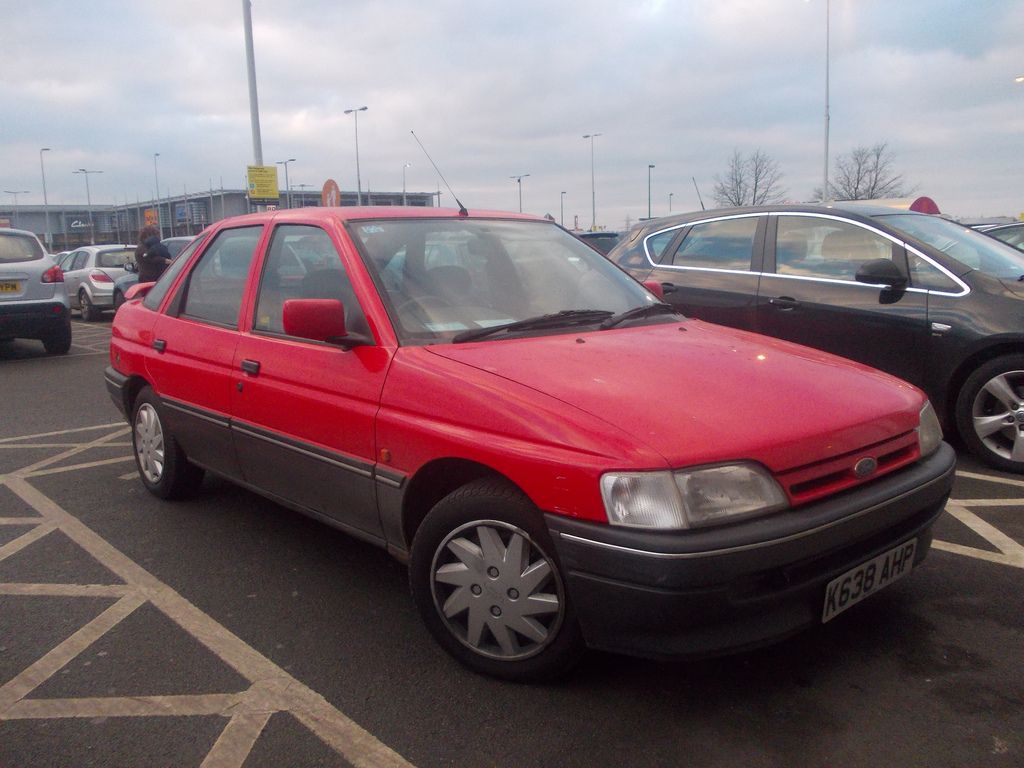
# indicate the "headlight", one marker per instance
pixel 929 433
pixel 690 498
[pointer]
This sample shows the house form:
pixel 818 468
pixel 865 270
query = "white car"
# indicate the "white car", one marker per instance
pixel 90 273
pixel 33 303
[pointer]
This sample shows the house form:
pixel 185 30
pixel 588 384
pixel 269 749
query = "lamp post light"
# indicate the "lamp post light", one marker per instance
pixel 156 179
pixel 407 165
pixel 46 203
pixel 355 114
pixel 88 201
pixel 519 182
pixel 287 187
pixel 561 205
pixel 649 168
pixel 593 194
pixel 1019 79
pixel 16 192
pixel 670 201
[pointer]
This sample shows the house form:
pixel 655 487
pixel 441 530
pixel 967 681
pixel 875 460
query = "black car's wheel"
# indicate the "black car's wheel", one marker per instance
pixel 486 580
pixel 89 311
pixel 990 413
pixel 163 467
pixel 58 342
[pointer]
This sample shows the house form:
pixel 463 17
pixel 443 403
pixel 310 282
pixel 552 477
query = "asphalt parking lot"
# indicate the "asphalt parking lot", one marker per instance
pixel 227 631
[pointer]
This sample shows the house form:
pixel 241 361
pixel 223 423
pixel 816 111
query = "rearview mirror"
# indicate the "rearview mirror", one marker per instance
pixel 131 266
pixel 881 272
pixel 319 320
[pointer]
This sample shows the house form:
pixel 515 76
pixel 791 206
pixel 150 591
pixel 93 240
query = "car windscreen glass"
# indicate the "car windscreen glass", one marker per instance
pixel 444 277
pixel 967 246
pixel 19 248
pixel 114 259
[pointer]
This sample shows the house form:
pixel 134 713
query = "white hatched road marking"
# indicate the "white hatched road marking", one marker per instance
pixel 247 712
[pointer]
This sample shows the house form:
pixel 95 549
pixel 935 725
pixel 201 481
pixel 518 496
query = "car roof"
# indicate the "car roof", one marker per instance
pixel 19 232
pixel 357 213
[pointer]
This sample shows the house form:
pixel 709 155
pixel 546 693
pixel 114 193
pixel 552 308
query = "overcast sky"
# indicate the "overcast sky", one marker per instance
pixel 496 89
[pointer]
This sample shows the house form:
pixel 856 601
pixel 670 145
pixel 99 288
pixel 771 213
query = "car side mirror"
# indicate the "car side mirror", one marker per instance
pixel 138 291
pixel 131 266
pixel 320 320
pixel 655 287
pixel 881 272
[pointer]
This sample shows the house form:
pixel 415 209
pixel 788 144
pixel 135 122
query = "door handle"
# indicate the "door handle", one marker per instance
pixel 159 345
pixel 251 367
pixel 668 287
pixel 784 303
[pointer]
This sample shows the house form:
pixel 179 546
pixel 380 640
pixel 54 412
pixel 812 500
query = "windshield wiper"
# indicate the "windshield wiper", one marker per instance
pixel 553 320
pixel 645 310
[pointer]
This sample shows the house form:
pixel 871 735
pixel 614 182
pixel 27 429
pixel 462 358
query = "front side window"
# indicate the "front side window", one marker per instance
pixel 443 277
pixel 166 280
pixel 302 263
pixel 215 287
pixel 927 276
pixel 723 244
pixel 808 246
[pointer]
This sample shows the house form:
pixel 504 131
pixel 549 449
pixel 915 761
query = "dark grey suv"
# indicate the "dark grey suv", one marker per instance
pixel 919 296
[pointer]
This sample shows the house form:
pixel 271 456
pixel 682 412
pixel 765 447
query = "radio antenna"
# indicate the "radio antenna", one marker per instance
pixel 462 208
pixel 698 193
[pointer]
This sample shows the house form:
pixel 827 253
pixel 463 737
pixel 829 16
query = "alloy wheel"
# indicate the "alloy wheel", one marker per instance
pixel 998 415
pixel 149 443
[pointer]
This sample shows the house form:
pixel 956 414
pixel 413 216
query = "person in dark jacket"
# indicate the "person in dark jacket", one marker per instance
pixel 151 256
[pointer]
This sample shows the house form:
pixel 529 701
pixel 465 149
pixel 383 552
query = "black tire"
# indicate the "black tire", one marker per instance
pixel 163 467
pixel 990 413
pixel 89 311
pixel 58 342
pixel 526 628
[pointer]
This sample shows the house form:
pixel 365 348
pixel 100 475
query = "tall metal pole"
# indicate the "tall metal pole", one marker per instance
pixel 519 181
pixel 287 186
pixel 670 201
pixel 407 165
pixel 88 200
pixel 359 185
pixel 156 180
pixel 593 193
pixel 16 192
pixel 649 167
pixel 254 104
pixel 824 187
pixel 561 206
pixel 46 203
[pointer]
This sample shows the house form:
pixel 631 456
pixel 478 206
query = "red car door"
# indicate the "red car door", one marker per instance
pixel 306 405
pixel 194 343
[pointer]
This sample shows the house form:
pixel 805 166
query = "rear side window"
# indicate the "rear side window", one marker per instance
pixel 723 244
pixel 19 248
pixel 216 285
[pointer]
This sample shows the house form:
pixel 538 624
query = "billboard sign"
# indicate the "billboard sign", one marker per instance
pixel 262 181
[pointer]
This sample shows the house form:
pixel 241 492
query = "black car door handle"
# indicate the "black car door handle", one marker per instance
pixel 668 287
pixel 159 345
pixel 785 303
pixel 251 367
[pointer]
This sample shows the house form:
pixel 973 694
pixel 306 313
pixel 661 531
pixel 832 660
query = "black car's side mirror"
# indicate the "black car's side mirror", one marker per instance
pixel 882 272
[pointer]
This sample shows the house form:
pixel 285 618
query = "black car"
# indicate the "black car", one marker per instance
pixel 601 241
pixel 1008 233
pixel 916 295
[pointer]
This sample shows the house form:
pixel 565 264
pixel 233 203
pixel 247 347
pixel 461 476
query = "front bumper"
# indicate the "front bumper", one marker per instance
pixel 33 319
pixel 708 592
pixel 117 388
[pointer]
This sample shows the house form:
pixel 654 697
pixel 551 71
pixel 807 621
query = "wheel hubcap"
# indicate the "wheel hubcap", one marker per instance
pixel 149 443
pixel 497 591
pixel 998 415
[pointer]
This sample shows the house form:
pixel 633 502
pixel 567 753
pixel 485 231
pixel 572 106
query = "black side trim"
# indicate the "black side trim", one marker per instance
pixel 390 479
pixel 191 410
pixel 361 468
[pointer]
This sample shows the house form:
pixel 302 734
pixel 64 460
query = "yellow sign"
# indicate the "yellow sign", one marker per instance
pixel 263 183
pixel 152 217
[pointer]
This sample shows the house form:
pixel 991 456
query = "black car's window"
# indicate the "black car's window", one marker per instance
pixel 1012 235
pixel 926 275
pixel 19 248
pixel 656 244
pixel 723 244
pixel 216 285
pixel 973 249
pixel 163 284
pixel 810 246
pixel 302 263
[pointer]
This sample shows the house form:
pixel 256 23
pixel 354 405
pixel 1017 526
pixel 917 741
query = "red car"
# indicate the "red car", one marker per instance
pixel 561 459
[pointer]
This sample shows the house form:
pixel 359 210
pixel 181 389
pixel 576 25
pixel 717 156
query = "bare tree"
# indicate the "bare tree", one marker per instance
pixel 752 180
pixel 866 173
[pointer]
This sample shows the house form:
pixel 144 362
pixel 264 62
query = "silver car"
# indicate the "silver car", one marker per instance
pixel 90 273
pixel 33 302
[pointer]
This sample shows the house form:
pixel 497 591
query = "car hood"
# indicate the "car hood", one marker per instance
pixel 698 393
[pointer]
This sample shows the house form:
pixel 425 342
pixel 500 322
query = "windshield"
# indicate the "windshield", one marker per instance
pixel 443 277
pixel 114 259
pixel 966 245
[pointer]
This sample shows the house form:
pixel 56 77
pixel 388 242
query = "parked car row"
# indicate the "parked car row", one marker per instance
pixel 562 459
pixel 933 302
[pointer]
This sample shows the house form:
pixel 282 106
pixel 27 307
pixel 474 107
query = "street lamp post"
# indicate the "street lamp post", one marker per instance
pixel 46 203
pixel 649 168
pixel 824 186
pixel 287 187
pixel 355 114
pixel 519 182
pixel 156 179
pixel 561 205
pixel 88 202
pixel 593 193
pixel 407 165
pixel 16 192
pixel 670 201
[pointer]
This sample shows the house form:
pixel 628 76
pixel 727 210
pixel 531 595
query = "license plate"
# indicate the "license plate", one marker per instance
pixel 8 286
pixel 867 578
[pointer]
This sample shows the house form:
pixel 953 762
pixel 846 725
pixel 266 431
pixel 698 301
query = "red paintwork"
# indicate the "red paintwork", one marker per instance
pixel 551 413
